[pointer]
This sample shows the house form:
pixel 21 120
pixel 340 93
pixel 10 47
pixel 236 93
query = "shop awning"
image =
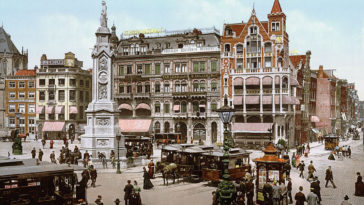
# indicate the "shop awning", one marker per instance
pixel 251 100
pixel 238 100
pixel 267 100
pixel 175 107
pixel 251 127
pixel 73 110
pixel 267 80
pixel 53 126
pixel 135 126
pixel 59 109
pixel 315 119
pixel 125 106
pixel 252 81
pixel 316 131
pixel 40 110
pixel 202 105
pixel 50 110
pixel 238 81
pixel 143 106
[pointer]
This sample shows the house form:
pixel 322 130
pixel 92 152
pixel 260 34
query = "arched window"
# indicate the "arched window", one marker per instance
pixel 177 107
pixel 166 127
pixel 213 86
pixel 202 106
pixel 157 87
pixel 214 132
pixel 129 88
pixel 228 31
pixel 166 87
pixel 268 47
pixel 195 86
pixel 157 127
pixel 227 48
pixel 202 85
pixel 184 107
pixel 139 88
pixel 199 132
pixel 157 107
pixel 147 87
pixel 280 62
pixel 213 106
pixel 240 49
pixel 284 82
pixel 184 86
pixel 177 86
pixel 166 107
pixel 121 88
pixel 195 106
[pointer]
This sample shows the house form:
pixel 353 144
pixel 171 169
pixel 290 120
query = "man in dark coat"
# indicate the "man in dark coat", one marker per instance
pixel 329 177
pixel 93 174
pixel 147 183
pixel 250 192
pixel 301 167
pixel 317 189
pixel 359 185
pixel 127 192
pixel 40 155
pixel 287 169
pixel 300 197
pixel 268 193
pixel 289 190
pixel 34 152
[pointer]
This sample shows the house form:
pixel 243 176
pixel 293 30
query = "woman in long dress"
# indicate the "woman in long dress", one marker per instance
pixel 147 183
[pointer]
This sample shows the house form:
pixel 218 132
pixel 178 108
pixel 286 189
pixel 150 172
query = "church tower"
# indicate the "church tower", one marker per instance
pixel 102 112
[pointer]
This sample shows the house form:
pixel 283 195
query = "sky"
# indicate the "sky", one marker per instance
pixel 333 30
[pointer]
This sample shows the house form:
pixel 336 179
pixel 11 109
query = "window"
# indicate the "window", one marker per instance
pixel 147 87
pixel 239 64
pixel 21 94
pixel 213 66
pixel 157 69
pixel 195 86
pixel 87 97
pixel 183 107
pixel 166 87
pixel 139 88
pixel 121 70
pixel 41 82
pixel 227 49
pixel 225 81
pixel 202 67
pixel 202 86
pixel 51 81
pixel 21 84
pixel 195 106
pixel 166 107
pixel 11 84
pixel 199 67
pixel 280 62
pixel 184 86
pixel 61 95
pixel 128 88
pixel 139 69
pixel 167 68
pixel 21 108
pixel 213 106
pixel 240 49
pixel 51 95
pixel 157 107
pixel 12 95
pixel 31 95
pixel 42 116
pixel 72 82
pixel 195 67
pixel 157 127
pixel 184 68
pixel 41 95
pixel 137 49
pixel 275 26
pixel 121 88
pixel 168 45
pixel 125 51
pixel 12 121
pixel 177 86
pixel 72 95
pixel 143 50
pixel 60 116
pixel 87 83
pixel 11 108
pixel 61 82
pixel 31 108
pixel 268 62
pixel 81 83
pixel 129 69
pixel 81 96
pixel 268 47
pixel 213 86
pixel 22 121
pixel 31 121
pixel 80 112
pixel 253 30
pixel 147 69
pixel 177 68
pixel 31 84
pixel 228 31
pixel 166 127
pixel 157 87
pixel 51 116
pixel 72 116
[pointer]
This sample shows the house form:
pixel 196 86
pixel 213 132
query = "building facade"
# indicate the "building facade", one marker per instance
pixel 63 93
pixel 11 60
pixel 20 98
pixel 257 77
pixel 172 79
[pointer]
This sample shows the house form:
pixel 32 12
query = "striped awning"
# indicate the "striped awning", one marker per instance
pixel 125 106
pixel 251 127
pixel 267 100
pixel 59 109
pixel 73 110
pixel 50 110
pixel 202 105
pixel 252 81
pixel 238 81
pixel 238 100
pixel 40 110
pixel 251 100
pixel 267 80
pixel 53 126
pixel 135 126
pixel 143 106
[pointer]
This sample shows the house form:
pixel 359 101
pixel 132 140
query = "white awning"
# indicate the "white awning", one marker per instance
pixel 73 110
pixel 50 110
pixel 175 107
pixel 40 110
pixel 251 127
pixel 59 109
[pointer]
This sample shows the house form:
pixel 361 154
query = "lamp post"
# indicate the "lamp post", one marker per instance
pixel 118 137
pixel 226 189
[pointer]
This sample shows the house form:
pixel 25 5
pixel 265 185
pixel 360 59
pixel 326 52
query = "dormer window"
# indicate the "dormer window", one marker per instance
pixel 253 30
pixel 228 32
pixel 180 45
pixel 275 26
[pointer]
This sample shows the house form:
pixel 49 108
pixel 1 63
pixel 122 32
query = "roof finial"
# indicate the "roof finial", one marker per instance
pixel 253 12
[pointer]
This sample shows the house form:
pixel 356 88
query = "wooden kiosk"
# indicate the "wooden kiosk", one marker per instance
pixel 331 141
pixel 269 169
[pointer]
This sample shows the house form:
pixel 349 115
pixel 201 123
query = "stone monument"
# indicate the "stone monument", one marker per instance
pixel 102 113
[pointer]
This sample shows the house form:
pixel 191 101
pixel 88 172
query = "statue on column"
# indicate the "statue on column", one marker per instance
pixel 103 18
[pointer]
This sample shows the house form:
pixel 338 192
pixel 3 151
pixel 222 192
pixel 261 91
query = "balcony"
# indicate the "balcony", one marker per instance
pixel 51 87
pixel 142 95
pixel 285 90
pixel 123 95
pixel 267 91
pixel 227 55
pixel 258 70
pixel 253 91
pixel 191 49
pixel 180 116
pixel 198 115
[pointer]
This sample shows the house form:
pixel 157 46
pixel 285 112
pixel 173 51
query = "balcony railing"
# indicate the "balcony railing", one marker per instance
pixel 267 91
pixel 252 91
pixel 227 55
pixel 259 70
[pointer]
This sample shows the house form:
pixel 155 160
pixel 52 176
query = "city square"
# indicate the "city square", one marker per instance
pixel 243 115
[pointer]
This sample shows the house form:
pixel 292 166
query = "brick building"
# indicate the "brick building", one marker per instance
pixel 256 75
pixel 20 101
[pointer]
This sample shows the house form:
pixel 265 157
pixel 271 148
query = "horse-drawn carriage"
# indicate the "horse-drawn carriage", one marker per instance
pixel 331 141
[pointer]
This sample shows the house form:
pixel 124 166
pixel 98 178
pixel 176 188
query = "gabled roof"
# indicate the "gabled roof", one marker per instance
pixel 296 59
pixel 276 7
pixel 25 73
pixel 6 45
pixel 237 28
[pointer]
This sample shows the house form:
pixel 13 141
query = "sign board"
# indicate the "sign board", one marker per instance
pixel 143 31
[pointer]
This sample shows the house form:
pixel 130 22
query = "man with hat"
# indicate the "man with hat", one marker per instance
pixel 317 189
pixel 301 167
pixel 98 201
pixel 346 202
pixel 289 190
pixel 276 194
pixel 329 177
pixel 312 198
pixel 300 197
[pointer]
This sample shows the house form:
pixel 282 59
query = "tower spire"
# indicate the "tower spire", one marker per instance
pixel 276 7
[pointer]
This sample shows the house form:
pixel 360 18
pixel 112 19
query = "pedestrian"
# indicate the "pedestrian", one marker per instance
pixel 112 158
pixel 317 189
pixel 300 197
pixel 117 201
pixel 147 183
pixel 359 185
pixel 40 155
pixel 329 177
pixel 151 169
pixel 98 201
pixel 301 167
pixel 294 159
pixel 250 192
pixel 311 170
pixel 287 168
pixel 308 147
pixel 43 142
pixel 86 157
pixel 303 149
pixel 349 151
pixel 283 189
pixel 242 190
pixel 104 161
pixel 33 152
pixel 289 190
pixel 51 144
pixel 127 192
pixel 312 198
pixel 346 202
pixel 214 199
pixel 53 157
pixel 93 174
pixel 276 194
pixel 136 195
pixel 268 193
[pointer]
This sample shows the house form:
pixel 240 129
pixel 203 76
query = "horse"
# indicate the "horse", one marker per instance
pixel 167 171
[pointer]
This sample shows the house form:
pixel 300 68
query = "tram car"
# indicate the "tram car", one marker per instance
pixel 331 141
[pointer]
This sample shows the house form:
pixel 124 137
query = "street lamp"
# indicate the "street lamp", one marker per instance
pixel 118 137
pixel 226 189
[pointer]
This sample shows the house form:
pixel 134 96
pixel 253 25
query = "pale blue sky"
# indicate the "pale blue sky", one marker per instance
pixel 332 29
